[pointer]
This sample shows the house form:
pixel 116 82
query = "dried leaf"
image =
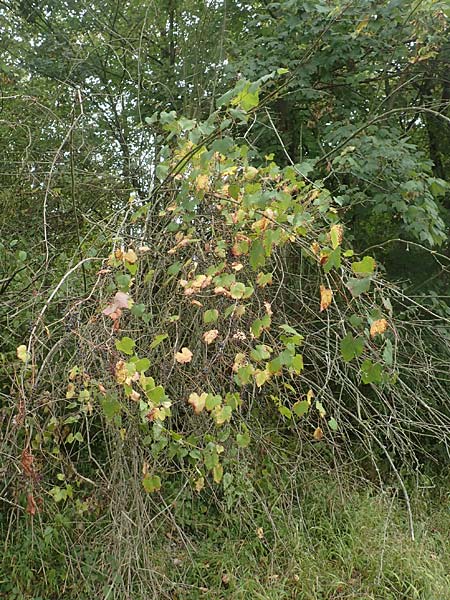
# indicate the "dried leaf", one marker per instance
pixel 378 327
pixel 130 256
pixel 26 461
pixel 196 303
pixel 183 357
pixel 113 310
pixel 210 336
pixel 318 434
pixel 326 296
pixel 31 505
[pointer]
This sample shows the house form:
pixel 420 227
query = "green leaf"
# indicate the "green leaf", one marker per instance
pixel 388 353
pixel 320 409
pixel 175 268
pixel 351 347
pixel 297 363
pixel 123 282
pixel 358 286
pixel 138 310
pixel 364 267
pixel 333 260
pixel 332 424
pixel 111 407
pixel 257 256
pixel 301 407
pixel 125 345
pixel 284 410
pixel 244 374
pixel 371 372
pixel 243 439
pixel 237 290
pixel 158 339
pixel 156 395
pixel 142 365
pixel 212 401
pixel 210 316
pixel 151 483
pixel 261 352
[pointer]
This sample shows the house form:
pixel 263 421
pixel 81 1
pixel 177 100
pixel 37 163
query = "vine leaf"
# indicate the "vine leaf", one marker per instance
pixel 198 402
pixel 210 336
pixel 378 327
pixel 183 357
pixel 326 296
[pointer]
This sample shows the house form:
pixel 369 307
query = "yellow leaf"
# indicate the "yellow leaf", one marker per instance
pixel 318 434
pixel 378 327
pixel 22 353
pixel 197 402
pixel 309 396
pixel 185 356
pixel 210 336
pixel 326 295
pixel 70 393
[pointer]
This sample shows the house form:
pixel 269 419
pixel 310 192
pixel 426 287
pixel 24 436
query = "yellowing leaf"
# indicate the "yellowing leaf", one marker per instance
pixel 210 336
pixel 70 393
pixel 22 353
pixel 198 402
pixel 261 377
pixel 378 327
pixel 336 235
pixel 218 473
pixel 199 484
pixel 185 356
pixel 318 434
pixel 202 181
pixel 326 295
pixel 151 483
pixel 240 361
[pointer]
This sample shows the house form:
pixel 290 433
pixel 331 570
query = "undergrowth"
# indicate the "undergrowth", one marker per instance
pixel 315 533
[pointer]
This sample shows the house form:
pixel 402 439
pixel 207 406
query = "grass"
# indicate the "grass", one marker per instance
pixel 310 535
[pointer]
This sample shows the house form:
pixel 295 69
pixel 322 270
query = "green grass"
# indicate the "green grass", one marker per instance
pixel 308 536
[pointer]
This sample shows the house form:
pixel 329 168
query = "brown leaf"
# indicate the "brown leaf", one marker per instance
pixel 326 295
pixel 27 463
pixel 378 327
pixel 318 434
pixel 183 357
pixel 31 505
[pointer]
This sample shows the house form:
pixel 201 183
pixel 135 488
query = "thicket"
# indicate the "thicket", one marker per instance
pixel 214 303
